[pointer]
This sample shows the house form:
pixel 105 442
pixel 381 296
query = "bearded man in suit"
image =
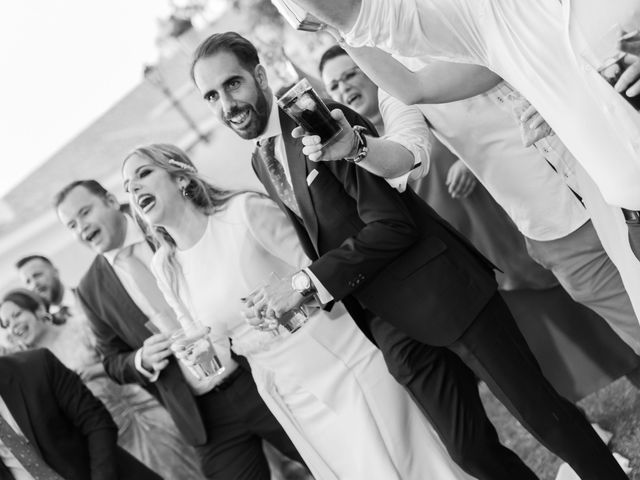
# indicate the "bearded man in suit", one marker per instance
pixel 437 316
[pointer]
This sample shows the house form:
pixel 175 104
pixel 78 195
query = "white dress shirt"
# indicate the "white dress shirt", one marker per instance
pixel 526 44
pixel 69 300
pixel 135 237
pixel 484 133
pixel 405 124
pixel 6 457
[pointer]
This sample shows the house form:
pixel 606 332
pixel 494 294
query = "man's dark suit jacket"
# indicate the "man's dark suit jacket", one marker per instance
pixel 389 250
pixel 67 426
pixel 119 327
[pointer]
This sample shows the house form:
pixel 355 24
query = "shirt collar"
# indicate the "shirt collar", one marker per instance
pixel 68 300
pixel 133 235
pixel 273 128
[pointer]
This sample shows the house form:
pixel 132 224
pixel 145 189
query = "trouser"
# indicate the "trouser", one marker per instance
pixel 586 272
pixel 632 218
pixel 237 420
pixel 442 382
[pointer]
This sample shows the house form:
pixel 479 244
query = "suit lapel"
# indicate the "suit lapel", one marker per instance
pixel 131 320
pixel 297 163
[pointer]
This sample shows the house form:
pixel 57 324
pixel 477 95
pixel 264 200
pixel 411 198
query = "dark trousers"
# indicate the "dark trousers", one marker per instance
pixel 237 420
pixel 443 384
pixel 130 468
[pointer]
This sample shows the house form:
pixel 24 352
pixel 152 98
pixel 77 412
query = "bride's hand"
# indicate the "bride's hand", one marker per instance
pixel 274 299
pixel 257 319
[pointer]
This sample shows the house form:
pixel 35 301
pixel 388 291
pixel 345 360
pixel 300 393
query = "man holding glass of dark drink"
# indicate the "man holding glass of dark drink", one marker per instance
pixel 424 295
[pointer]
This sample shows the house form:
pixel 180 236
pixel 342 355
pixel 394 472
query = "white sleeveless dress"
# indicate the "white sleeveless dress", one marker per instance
pixel 326 384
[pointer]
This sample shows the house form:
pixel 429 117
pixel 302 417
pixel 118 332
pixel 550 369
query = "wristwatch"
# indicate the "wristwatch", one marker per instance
pixel 360 145
pixel 301 283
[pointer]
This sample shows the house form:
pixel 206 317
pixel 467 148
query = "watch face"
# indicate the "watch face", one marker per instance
pixel 301 281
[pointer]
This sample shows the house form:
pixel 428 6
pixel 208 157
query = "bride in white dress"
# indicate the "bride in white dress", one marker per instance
pixel 326 384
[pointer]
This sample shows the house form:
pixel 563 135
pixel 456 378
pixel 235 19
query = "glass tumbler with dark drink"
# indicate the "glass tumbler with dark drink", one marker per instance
pixel 306 108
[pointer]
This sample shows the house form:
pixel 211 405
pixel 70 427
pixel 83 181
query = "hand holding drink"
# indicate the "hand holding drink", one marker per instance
pixel 259 306
pixel 305 107
pixel 193 347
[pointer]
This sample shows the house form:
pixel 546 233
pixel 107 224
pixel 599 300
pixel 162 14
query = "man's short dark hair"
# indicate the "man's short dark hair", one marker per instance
pixel 232 42
pixel 24 260
pixel 330 54
pixel 92 185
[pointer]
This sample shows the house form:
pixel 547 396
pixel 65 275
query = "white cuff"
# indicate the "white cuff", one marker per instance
pixel 419 170
pixel 137 360
pixel 323 294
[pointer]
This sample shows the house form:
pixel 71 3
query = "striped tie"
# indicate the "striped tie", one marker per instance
pixel 278 177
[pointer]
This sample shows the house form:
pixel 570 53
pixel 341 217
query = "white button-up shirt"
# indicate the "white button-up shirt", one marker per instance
pixel 526 44
pixel 484 132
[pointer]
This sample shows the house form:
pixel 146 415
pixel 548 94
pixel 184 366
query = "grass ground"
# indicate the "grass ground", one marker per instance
pixel 616 408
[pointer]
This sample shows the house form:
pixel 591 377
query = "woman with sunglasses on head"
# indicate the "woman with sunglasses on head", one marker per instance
pixel 325 383
pixel 144 427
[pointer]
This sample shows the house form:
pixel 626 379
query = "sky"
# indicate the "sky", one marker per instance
pixel 64 63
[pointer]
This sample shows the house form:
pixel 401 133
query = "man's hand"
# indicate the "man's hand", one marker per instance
pixel 533 127
pixel 339 148
pixel 460 180
pixel 91 372
pixel 630 42
pixel 272 301
pixel 155 352
pixel 629 81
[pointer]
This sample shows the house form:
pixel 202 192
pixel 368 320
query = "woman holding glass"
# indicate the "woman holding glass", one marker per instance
pixel 325 383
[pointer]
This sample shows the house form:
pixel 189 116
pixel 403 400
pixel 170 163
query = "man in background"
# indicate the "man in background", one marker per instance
pixel 46 409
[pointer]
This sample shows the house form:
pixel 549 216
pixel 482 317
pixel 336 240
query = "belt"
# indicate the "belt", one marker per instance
pixel 631 216
pixel 227 381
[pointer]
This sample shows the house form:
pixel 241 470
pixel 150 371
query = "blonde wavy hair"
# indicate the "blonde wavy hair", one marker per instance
pixel 204 196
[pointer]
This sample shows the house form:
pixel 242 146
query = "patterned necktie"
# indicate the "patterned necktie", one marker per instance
pixel 25 453
pixel 278 177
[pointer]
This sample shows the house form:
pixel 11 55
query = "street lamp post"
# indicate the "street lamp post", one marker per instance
pixel 153 76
